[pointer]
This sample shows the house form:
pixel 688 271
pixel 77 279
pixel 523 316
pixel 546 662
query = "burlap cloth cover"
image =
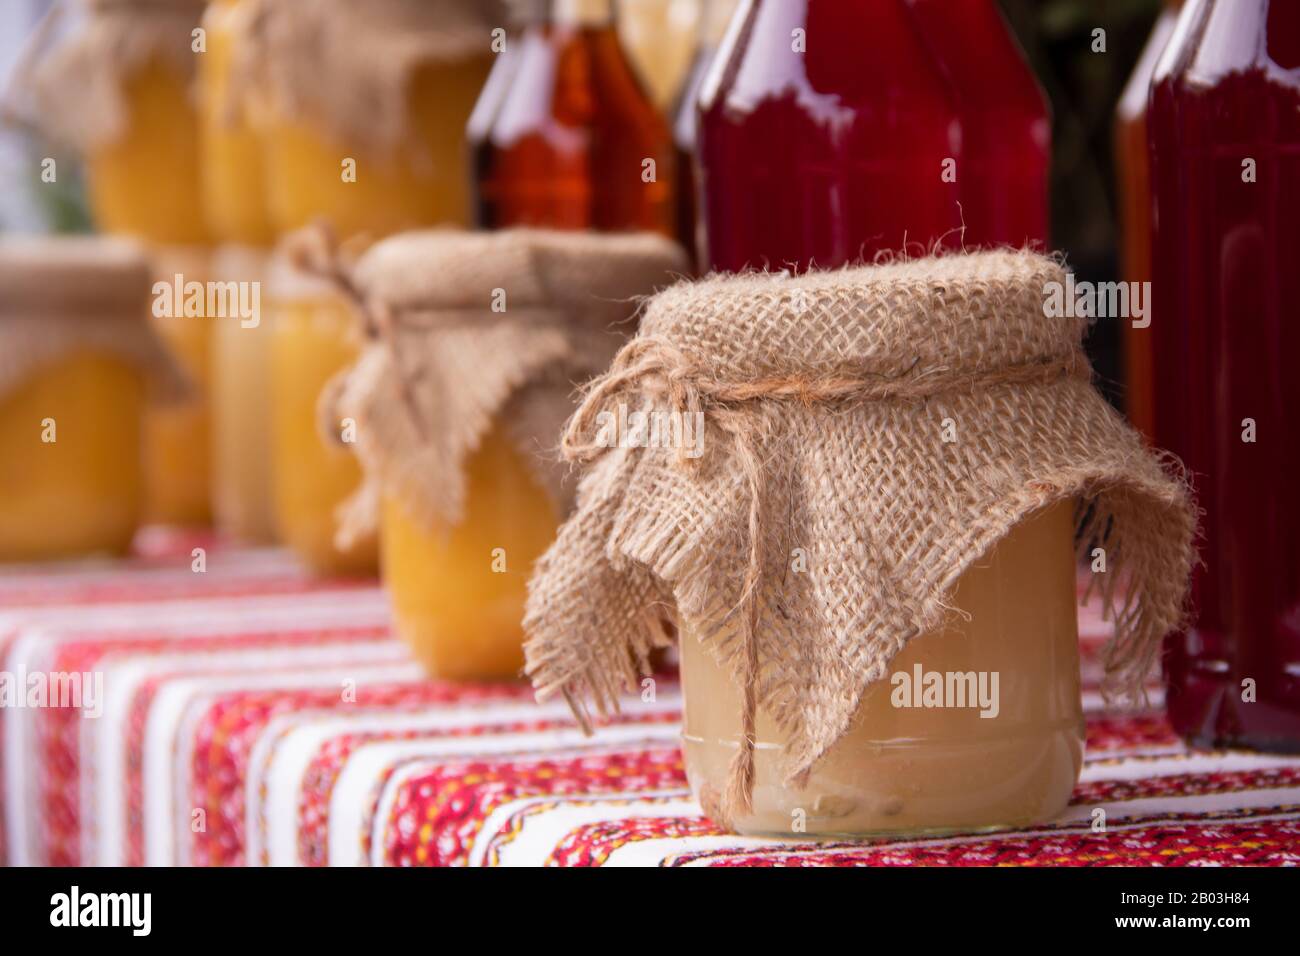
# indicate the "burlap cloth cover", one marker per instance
pixel 442 366
pixel 827 399
pixel 346 65
pixel 73 91
pixel 62 296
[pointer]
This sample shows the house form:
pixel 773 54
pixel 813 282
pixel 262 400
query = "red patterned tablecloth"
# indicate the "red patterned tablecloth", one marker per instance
pixel 247 715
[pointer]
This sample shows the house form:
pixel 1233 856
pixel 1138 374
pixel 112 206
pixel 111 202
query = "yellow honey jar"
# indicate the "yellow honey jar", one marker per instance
pixel 76 356
pixel 476 342
pixel 234 194
pixel 867 544
pixel 178 435
pixel 376 143
pixel 313 336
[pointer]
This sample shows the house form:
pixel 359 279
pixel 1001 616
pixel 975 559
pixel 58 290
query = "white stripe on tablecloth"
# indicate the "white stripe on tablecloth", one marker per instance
pixel 104 754
pixel 274 793
pixel 353 795
pixel 543 830
pixel 178 704
pixel 228 565
pixel 40 632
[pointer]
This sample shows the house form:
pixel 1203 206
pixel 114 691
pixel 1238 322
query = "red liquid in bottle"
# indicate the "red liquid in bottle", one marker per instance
pixel 824 127
pixel 1005 122
pixel 569 141
pixel 1225 109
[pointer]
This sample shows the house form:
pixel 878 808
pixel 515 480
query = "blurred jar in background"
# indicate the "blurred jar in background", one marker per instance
pixel 1224 127
pixel 234 200
pixel 1133 182
pixel 370 146
pixel 313 474
pixel 457 408
pixel 799 165
pixel 117 86
pixel 660 37
pixel 78 355
pixel 575 143
pixel 1005 123
pixel 178 436
pixel 713 19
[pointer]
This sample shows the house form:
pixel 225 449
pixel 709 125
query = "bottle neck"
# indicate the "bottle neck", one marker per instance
pixel 714 17
pixel 582 13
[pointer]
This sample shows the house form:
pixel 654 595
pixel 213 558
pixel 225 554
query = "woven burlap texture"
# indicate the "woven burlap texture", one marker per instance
pixel 471 329
pixel 828 399
pixel 73 92
pixel 347 66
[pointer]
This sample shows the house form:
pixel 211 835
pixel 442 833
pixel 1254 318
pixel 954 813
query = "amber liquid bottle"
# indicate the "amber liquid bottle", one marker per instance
pixel 574 142
pixel 1133 179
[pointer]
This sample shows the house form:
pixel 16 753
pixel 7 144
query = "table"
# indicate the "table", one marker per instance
pixel 247 715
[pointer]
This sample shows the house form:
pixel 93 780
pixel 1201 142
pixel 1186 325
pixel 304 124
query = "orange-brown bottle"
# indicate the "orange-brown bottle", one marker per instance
pixel 575 142
pixel 1133 178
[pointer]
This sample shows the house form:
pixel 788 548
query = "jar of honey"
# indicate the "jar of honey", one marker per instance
pixel 242 446
pixel 118 87
pixel 373 145
pixel 476 343
pixel 312 338
pixel 863 525
pixel 78 355
pixel 178 435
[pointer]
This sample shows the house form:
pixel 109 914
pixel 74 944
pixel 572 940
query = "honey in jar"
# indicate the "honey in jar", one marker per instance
pixel 79 355
pixel 868 548
pixel 999 743
pixel 457 405
pixel 312 338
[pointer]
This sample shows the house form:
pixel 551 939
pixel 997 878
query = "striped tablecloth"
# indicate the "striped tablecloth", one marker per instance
pixel 250 716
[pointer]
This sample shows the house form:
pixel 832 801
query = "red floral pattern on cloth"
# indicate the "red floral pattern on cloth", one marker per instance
pixel 232 724
pixel 437 816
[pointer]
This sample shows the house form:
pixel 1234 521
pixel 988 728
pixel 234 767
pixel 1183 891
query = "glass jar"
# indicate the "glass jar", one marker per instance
pixel 241 403
pixel 313 338
pixel 458 592
pixel 1133 183
pixel 234 198
pixel 903 767
pixel 1224 127
pixel 70 423
pixel 146 183
pixel 1005 123
pixel 423 181
pixel 178 436
pixel 798 162
pixel 573 139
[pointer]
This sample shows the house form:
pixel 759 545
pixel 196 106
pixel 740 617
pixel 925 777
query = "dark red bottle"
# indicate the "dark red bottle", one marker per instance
pixel 1224 125
pixel 1005 121
pixel 714 17
pixel 825 130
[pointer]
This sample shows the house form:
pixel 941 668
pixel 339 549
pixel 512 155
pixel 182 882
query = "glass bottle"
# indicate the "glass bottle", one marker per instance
pixel 576 143
pixel 1133 180
pixel 1225 146
pixel 714 17
pixel 825 130
pixel 1005 122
